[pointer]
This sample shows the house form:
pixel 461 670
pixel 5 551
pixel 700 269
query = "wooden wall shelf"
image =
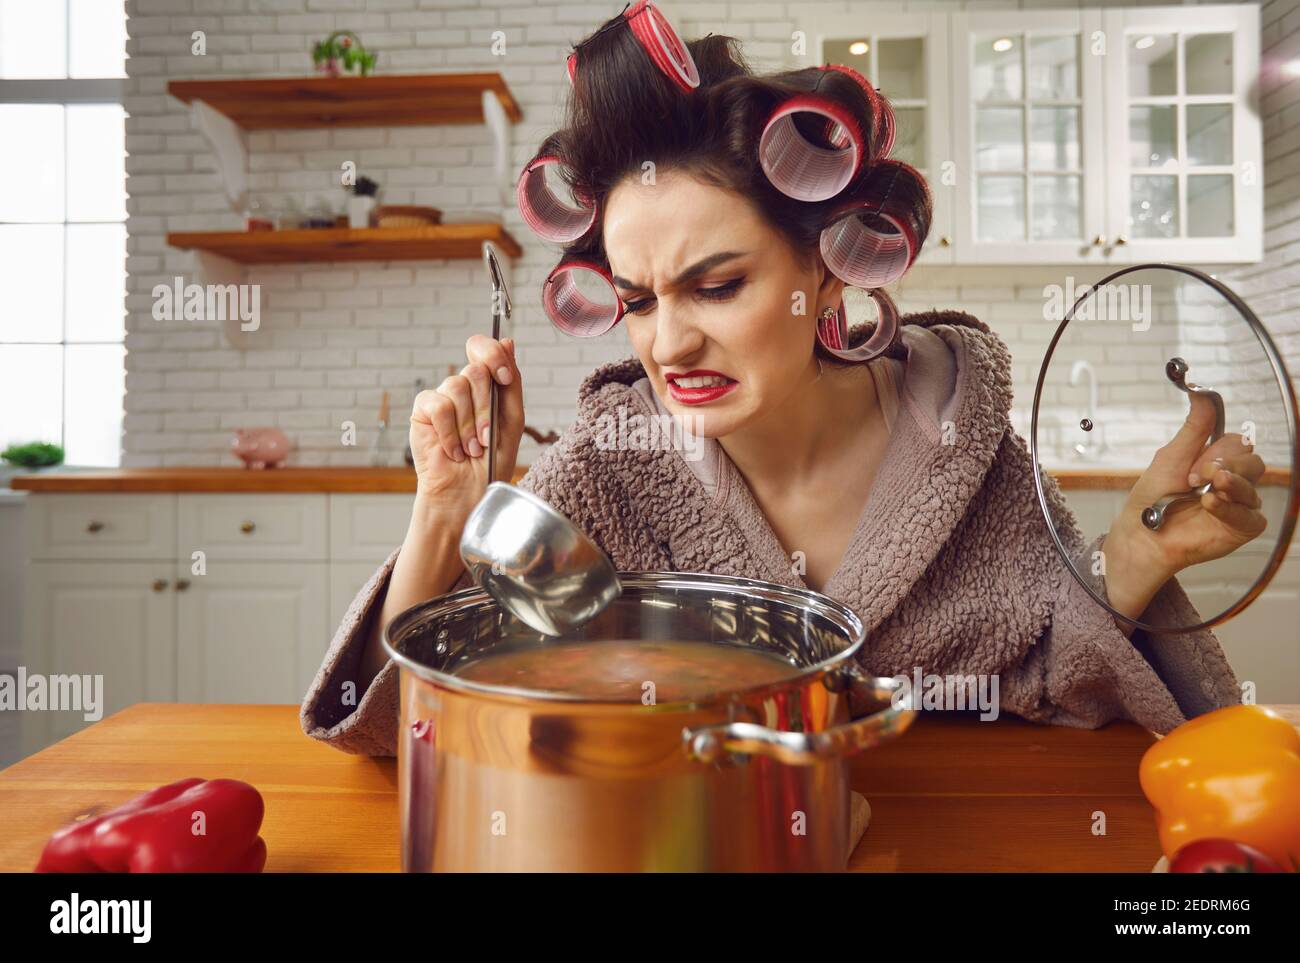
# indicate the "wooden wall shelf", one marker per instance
pixel 302 102
pixel 350 244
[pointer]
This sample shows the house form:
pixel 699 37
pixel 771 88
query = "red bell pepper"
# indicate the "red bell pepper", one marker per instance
pixel 191 826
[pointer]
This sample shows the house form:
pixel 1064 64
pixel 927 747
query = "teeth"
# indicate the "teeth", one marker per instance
pixel 709 381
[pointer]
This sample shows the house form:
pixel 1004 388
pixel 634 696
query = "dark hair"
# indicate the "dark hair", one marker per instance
pixel 623 111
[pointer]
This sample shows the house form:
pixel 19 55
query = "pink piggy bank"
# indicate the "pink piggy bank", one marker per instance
pixel 260 447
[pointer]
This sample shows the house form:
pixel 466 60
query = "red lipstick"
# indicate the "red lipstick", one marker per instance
pixel 698 396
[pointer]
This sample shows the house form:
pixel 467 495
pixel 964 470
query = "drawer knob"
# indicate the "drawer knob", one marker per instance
pixel 1121 240
pixel 1099 240
pixel 182 584
pixel 945 241
pixel 247 528
pixel 159 584
pixel 94 527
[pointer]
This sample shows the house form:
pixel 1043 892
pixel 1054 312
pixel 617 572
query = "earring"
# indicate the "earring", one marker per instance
pixel 825 316
pixel 833 330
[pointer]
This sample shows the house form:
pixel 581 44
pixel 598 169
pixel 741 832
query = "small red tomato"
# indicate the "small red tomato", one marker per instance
pixel 1221 856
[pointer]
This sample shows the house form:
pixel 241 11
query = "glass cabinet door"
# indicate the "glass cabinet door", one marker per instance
pixel 905 57
pixel 1028 136
pixel 1185 160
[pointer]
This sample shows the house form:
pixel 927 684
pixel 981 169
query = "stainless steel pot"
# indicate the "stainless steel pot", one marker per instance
pixel 502 779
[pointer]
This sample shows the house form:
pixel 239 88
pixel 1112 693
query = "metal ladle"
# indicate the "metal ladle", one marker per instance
pixel 531 559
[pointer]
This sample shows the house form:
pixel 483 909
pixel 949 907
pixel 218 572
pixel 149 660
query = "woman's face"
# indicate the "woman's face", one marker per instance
pixel 709 286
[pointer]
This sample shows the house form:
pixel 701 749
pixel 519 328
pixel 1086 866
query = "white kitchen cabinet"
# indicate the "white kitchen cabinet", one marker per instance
pixel 254 628
pixel 364 530
pixel 1028 131
pixel 1184 150
pixel 906 58
pixel 112 619
pixel 251 631
pixel 1262 644
pixel 114 588
pixel 1089 137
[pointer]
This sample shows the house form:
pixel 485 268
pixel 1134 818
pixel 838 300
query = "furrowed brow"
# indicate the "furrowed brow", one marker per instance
pixel 692 272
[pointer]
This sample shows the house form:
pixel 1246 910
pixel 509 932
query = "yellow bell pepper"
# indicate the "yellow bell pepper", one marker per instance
pixel 1229 774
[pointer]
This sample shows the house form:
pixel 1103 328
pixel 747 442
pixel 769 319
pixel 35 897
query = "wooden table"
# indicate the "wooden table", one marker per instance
pixel 952 794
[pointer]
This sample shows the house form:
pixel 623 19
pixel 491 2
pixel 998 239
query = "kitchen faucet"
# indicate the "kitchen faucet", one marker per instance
pixel 1092 448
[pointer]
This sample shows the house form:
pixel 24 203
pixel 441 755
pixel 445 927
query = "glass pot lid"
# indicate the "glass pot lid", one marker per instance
pixel 1152 372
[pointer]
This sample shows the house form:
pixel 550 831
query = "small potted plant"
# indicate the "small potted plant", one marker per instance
pixel 342 53
pixel 361 202
pixel 31 457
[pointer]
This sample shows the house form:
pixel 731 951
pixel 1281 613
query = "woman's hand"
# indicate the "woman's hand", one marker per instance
pixel 449 429
pixel 1138 560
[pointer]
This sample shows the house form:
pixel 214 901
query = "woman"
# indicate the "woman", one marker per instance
pixel 896 486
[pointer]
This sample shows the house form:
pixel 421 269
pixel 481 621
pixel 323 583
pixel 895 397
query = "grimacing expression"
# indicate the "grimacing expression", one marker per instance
pixel 709 285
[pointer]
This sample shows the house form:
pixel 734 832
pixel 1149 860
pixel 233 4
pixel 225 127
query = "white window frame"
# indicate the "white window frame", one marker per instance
pixel 65 92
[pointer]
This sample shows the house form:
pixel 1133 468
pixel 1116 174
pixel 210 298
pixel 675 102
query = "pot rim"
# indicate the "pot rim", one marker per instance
pixel 774 591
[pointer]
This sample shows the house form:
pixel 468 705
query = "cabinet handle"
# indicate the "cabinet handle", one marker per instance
pixel 1121 240
pixel 94 527
pixel 159 584
pixel 247 528
pixel 945 241
pixel 1099 240
pixel 182 584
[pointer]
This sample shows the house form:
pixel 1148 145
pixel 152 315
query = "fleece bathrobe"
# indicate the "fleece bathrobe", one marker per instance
pixel 951 566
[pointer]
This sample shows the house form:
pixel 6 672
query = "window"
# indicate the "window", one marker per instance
pixel 63 226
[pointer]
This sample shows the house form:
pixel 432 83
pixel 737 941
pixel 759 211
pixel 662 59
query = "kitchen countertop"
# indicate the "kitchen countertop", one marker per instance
pixel 393 480
pixel 953 794
pixel 398 480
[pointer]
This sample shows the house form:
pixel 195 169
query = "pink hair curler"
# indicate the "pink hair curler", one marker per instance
pixel 803 170
pixel 659 40
pixel 833 331
pixel 881 112
pixel 549 217
pixel 572 309
pixel 859 253
pixel 663 44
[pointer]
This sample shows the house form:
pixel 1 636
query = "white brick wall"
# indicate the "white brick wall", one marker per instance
pixel 1272 287
pixel 333 337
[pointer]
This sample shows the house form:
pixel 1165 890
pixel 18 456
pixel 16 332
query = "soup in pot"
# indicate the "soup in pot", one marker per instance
pixel 617 671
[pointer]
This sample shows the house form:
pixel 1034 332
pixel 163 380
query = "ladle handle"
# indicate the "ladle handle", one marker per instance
pixel 492 429
pixel 500 308
pixel 711 743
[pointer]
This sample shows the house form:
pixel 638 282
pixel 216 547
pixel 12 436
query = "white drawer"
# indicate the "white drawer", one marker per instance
pixel 252 527
pixel 66 526
pixel 366 528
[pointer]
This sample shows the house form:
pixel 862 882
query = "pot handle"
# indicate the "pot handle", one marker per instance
pixel 711 743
